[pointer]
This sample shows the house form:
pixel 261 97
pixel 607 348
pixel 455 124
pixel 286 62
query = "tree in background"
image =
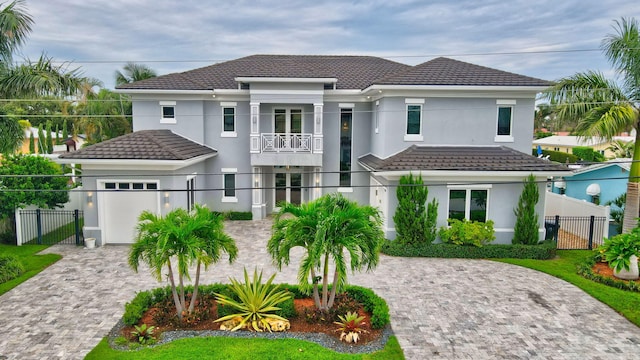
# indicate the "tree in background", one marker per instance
pixel 42 141
pixel 32 143
pixel 617 210
pixel 65 132
pixel 414 222
pixel 526 228
pixel 104 115
pixel 22 183
pixel 605 107
pixel 15 25
pixel 133 72
pixel 11 134
pixel 586 153
pixel 622 149
pixel 49 135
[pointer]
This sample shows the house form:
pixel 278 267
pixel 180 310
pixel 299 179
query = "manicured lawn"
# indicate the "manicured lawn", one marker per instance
pixel 237 348
pixel 626 303
pixel 33 264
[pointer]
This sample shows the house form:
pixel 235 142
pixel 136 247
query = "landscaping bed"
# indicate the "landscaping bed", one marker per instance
pixel 543 251
pixel 155 308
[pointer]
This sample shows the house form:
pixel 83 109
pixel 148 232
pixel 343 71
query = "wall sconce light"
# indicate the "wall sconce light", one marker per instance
pixel 317 180
pixel 90 197
pixel 166 199
pixel 256 181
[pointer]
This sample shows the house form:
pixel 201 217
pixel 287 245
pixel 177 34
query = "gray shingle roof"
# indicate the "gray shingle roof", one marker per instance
pixel 460 158
pixel 143 145
pixel 352 72
pixel 445 71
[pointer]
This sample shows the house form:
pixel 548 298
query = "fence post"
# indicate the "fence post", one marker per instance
pixel 18 227
pixel 76 220
pixel 557 229
pixel 591 223
pixel 39 225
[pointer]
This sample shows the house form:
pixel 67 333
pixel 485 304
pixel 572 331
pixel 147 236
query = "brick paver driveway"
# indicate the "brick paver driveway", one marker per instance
pixel 440 308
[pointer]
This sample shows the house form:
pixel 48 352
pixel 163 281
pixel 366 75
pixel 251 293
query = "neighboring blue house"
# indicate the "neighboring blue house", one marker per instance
pixel 609 179
pixel 247 134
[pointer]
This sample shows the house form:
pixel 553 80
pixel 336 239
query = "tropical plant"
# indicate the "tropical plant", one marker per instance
pixel 606 107
pixel 413 222
pixel 133 72
pixel 617 210
pixel 258 302
pixel 622 149
pixel 326 228
pixel 465 232
pixel 144 334
pixel 11 134
pixel 183 237
pixel 104 115
pixel 10 267
pixel 620 248
pixel 15 25
pixel 525 230
pixel 350 327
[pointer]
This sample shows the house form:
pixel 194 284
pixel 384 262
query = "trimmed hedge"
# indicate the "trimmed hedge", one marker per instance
pixel 143 300
pixel 235 215
pixel 10 268
pixel 585 269
pixel 557 156
pixel 543 251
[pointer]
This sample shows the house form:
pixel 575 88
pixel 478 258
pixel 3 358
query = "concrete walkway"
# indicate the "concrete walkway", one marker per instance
pixel 440 308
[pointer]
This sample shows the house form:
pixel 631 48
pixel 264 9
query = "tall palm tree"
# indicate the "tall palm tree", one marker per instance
pixel 604 108
pixel 327 229
pixel 180 239
pixel 132 72
pixel 15 25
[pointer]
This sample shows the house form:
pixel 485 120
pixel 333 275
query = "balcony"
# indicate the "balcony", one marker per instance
pixel 273 149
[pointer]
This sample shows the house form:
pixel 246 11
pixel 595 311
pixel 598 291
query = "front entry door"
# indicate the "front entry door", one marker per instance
pixel 288 188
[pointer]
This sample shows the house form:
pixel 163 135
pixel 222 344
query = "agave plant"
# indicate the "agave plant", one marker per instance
pixel 350 327
pixel 257 303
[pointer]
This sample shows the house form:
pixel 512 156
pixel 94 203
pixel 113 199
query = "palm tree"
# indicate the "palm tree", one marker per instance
pixel 104 115
pixel 327 229
pixel 11 134
pixel 603 108
pixel 15 25
pixel 133 72
pixel 622 149
pixel 183 238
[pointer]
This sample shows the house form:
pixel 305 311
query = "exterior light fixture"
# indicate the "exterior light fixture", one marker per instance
pixel 89 197
pixel 166 199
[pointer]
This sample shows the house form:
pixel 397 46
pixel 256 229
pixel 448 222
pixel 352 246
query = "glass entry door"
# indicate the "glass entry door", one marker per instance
pixel 288 188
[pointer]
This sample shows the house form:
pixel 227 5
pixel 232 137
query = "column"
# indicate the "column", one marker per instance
pixel 317 128
pixel 255 142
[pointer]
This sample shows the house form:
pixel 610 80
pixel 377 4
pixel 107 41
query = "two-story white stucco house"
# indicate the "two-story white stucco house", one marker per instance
pixel 246 134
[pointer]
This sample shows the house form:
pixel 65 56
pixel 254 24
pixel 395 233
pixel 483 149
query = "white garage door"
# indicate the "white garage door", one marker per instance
pixel 121 206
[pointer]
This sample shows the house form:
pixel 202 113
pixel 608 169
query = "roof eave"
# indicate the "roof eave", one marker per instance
pixel 163 91
pixel 461 174
pixel 381 87
pixel 134 164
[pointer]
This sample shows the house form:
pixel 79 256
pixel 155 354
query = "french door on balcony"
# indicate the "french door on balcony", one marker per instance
pixel 288 188
pixel 287 126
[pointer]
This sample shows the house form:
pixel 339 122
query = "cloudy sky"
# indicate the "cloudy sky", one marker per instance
pixel 544 39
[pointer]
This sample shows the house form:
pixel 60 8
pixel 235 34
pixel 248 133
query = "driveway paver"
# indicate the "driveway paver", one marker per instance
pixel 440 308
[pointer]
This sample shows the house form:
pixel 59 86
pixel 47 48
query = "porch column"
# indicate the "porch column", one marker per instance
pixel 257 206
pixel 317 181
pixel 317 128
pixel 255 142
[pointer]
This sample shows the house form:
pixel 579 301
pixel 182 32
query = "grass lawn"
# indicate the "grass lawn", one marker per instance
pixel 238 348
pixel 33 264
pixel 564 267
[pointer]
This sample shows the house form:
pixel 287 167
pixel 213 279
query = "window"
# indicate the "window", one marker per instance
pixel 228 119
pixel 168 109
pixel 468 204
pixel 376 114
pixel 413 129
pixel 414 119
pixel 191 192
pixel 504 125
pixel 229 185
pixel 346 117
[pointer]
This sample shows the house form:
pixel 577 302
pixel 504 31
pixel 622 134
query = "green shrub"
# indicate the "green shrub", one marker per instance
pixel 526 228
pixel 585 269
pixel 557 156
pixel 235 215
pixel 465 232
pixel 10 268
pixel 543 251
pixel 8 238
pixel 414 224
pixel 372 303
pixel 587 153
pixel 134 309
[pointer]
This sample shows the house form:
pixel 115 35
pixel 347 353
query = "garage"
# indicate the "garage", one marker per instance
pixel 121 204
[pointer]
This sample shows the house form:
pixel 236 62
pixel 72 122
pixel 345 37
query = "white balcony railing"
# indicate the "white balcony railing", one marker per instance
pixel 289 143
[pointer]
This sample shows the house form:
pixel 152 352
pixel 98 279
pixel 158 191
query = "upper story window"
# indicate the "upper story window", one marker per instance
pixel 504 132
pixel 414 120
pixel 168 112
pixel 346 121
pixel 228 119
pixel 376 114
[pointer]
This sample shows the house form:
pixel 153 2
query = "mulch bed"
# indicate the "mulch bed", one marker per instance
pixel 603 269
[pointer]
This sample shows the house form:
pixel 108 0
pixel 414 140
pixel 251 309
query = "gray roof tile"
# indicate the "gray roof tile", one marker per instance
pixel 352 72
pixel 445 71
pixel 143 145
pixel 460 158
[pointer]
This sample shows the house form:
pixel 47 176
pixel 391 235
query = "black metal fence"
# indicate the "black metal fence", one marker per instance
pixel 51 227
pixel 576 232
